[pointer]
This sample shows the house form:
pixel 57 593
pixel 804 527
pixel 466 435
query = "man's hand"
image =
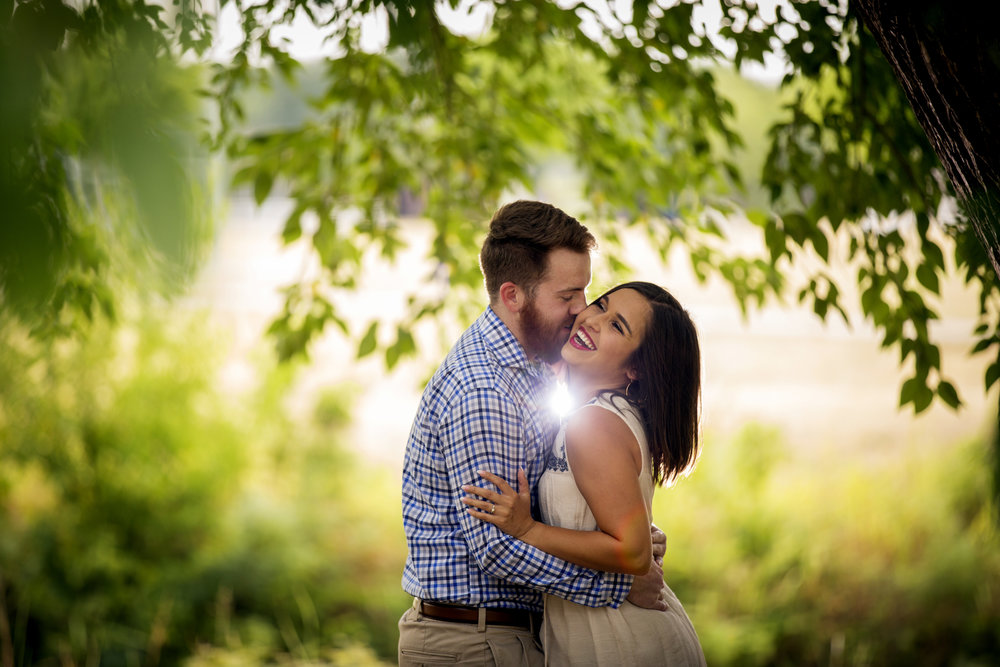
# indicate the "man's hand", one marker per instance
pixel 659 543
pixel 648 591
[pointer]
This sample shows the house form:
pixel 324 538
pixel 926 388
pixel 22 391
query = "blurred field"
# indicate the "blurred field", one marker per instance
pixel 823 386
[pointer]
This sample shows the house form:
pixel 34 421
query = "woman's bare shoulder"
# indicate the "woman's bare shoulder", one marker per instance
pixel 596 431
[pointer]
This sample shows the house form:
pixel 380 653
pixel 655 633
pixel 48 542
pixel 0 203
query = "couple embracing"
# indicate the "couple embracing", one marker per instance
pixel 530 541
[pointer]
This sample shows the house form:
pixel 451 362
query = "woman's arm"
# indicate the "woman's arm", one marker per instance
pixel 606 462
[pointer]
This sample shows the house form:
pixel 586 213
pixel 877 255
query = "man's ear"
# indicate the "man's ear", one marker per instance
pixel 512 297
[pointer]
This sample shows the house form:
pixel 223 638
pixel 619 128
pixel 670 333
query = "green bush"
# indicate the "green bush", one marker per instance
pixel 832 561
pixel 146 518
pixel 117 466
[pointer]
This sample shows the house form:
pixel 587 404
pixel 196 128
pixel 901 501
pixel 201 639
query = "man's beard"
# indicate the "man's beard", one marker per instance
pixel 542 339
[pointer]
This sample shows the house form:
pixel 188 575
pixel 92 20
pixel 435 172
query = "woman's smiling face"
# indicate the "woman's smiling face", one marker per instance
pixel 603 338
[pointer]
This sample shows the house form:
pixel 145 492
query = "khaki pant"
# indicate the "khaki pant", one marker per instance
pixel 427 641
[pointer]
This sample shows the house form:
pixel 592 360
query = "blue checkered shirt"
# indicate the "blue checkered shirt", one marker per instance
pixel 486 408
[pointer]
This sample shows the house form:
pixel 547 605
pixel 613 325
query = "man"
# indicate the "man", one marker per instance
pixel 477 592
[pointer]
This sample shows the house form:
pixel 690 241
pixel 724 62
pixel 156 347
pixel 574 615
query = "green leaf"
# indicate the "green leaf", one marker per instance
pixel 933 355
pixel 244 175
pixel 368 341
pixel 933 254
pixel 982 345
pixel 992 374
pixel 262 185
pixel 871 299
pixel 948 394
pixel 774 239
pixel 906 348
pixel 404 339
pixel 758 217
pixel 928 277
pixel 339 323
pixel 403 347
pixel 909 391
pixel 923 399
pixel 821 244
pixel 293 227
pixel 820 307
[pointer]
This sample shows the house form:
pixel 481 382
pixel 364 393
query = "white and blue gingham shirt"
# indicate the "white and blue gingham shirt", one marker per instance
pixel 486 408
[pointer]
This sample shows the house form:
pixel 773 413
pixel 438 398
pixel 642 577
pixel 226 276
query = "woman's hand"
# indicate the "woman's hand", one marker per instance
pixel 508 510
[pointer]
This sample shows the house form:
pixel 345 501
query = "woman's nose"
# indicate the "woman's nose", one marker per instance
pixel 592 319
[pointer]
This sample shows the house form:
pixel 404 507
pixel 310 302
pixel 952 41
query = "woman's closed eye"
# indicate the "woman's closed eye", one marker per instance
pixel 602 304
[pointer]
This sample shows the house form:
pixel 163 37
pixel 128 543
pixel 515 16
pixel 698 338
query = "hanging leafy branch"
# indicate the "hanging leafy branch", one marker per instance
pixel 629 93
pixel 99 163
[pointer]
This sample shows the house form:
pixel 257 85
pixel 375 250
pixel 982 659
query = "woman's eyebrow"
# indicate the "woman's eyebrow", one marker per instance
pixel 622 319
pixel 618 315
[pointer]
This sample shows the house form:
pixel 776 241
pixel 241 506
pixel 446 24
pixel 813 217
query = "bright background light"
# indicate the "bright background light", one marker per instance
pixel 823 386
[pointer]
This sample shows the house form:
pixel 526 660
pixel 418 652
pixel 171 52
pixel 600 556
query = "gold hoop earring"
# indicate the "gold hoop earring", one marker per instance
pixel 627 388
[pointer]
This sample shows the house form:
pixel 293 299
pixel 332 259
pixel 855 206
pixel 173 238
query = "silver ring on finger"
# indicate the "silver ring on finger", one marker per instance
pixel 493 508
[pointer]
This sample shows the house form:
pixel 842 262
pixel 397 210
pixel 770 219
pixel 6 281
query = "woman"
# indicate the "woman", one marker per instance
pixel 634 357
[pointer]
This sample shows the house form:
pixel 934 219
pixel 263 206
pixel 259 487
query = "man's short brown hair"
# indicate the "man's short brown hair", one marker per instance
pixel 521 236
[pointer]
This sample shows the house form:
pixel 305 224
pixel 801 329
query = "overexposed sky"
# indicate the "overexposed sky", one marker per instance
pixel 305 41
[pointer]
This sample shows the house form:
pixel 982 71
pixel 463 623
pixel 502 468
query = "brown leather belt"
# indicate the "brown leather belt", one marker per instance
pixel 460 614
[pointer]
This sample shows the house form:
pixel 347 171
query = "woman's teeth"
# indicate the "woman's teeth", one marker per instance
pixel 585 340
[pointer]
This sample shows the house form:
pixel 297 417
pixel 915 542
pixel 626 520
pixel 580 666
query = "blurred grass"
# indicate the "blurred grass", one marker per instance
pixel 832 561
pixel 147 517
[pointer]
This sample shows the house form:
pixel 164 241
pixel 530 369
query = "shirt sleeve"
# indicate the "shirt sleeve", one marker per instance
pixel 485 430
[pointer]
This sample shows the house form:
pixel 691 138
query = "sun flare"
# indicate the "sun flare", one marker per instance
pixel 560 401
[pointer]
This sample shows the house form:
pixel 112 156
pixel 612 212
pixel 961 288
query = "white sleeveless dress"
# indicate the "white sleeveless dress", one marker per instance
pixel 576 635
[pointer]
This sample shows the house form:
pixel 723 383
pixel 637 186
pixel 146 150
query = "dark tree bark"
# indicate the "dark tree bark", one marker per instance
pixel 946 57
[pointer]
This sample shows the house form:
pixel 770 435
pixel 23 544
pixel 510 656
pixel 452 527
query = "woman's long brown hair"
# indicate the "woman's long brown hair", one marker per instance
pixel 667 390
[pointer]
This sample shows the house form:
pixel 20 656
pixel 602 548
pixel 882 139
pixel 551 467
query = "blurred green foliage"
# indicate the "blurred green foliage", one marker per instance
pixel 105 191
pixel 148 518
pixel 785 558
pixel 104 183
pixel 633 100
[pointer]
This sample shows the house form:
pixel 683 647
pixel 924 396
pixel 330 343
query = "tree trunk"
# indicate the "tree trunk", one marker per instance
pixel 947 60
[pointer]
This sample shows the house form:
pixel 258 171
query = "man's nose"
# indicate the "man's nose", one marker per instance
pixel 578 305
